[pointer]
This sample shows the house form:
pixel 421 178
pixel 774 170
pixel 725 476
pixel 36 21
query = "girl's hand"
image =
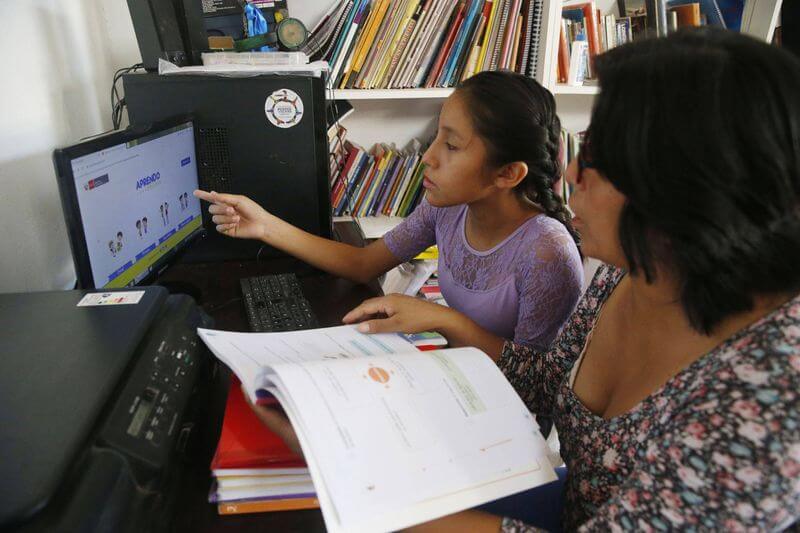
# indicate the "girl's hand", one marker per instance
pixel 276 421
pixel 236 215
pixel 397 313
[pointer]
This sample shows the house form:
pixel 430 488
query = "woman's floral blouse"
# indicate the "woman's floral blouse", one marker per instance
pixel 716 448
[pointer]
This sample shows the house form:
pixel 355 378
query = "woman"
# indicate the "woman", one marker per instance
pixel 508 263
pixel 675 386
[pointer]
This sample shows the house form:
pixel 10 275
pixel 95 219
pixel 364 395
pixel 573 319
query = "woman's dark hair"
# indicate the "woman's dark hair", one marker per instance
pixel 701 133
pixel 516 118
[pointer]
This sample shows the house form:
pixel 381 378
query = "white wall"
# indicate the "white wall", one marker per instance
pixel 57 66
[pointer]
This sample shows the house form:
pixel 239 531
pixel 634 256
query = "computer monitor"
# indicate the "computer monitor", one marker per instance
pixel 128 202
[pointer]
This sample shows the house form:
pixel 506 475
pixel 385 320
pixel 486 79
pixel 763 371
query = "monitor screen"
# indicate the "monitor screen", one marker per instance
pixel 128 202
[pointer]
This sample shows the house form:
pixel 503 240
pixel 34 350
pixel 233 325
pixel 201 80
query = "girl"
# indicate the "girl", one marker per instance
pixel 509 265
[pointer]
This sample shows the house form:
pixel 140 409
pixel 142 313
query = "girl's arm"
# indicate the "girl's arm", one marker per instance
pixel 240 217
pixel 407 314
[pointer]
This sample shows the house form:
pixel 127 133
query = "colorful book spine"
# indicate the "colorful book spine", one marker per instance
pixel 352 32
pixel 337 31
pixel 364 40
pixel 428 54
pixel 266 505
pixel 386 182
pixel 444 51
pixel 397 38
pixel 387 43
pixel 392 185
pixel 413 40
pixel 501 32
pixel 426 36
pixel 465 33
pixel 401 47
pixel 380 180
pixel 467 44
pixel 487 38
pixel 377 46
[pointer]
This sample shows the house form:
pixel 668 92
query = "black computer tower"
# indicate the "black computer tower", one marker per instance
pixel 261 136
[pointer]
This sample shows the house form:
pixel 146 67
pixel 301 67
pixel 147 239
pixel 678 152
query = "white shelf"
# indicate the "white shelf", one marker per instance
pixel 390 94
pixel 561 88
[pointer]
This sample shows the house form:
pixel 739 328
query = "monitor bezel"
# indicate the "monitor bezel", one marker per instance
pixel 62 160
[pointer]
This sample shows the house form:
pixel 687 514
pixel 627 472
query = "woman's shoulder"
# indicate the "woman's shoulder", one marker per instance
pixel 756 372
pixel 767 352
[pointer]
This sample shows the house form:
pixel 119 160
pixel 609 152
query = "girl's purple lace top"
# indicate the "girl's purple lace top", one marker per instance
pixel 522 289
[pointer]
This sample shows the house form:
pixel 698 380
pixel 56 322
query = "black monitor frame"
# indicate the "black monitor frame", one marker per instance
pixel 67 186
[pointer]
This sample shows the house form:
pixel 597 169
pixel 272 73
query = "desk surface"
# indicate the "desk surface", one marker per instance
pixel 217 285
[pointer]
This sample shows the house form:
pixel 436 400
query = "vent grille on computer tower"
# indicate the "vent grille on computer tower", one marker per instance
pixel 214 159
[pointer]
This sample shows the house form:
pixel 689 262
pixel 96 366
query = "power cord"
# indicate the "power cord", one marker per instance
pixel 118 102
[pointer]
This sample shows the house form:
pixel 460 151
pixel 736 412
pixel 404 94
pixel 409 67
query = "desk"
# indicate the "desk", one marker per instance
pixel 218 286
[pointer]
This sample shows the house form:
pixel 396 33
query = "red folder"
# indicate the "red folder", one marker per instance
pixel 247 443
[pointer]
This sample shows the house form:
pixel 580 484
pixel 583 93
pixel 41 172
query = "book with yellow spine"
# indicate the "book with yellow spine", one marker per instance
pixel 486 37
pixel 363 45
pixel 386 58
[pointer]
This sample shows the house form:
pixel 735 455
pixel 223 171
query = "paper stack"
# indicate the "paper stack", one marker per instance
pixel 253 470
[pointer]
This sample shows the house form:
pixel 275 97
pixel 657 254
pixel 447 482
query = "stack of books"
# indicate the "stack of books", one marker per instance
pixel 638 19
pixel 394 436
pixel 383 181
pixel 430 290
pixel 390 44
pixel 253 470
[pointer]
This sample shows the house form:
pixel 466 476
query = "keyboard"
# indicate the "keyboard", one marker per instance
pixel 275 302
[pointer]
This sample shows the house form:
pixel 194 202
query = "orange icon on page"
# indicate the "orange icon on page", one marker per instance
pixel 378 374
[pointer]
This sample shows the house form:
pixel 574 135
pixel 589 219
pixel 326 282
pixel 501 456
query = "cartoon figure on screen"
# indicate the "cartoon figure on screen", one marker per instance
pixel 144 225
pixel 119 241
pixel 139 228
pixel 112 248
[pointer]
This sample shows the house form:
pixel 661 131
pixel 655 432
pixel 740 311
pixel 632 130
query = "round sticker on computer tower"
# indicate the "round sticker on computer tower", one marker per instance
pixel 284 108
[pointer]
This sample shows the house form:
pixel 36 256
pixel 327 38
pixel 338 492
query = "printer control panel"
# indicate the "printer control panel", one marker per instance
pixel 153 413
pixel 146 420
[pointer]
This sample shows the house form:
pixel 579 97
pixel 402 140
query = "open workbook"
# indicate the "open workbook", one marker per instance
pixel 393 436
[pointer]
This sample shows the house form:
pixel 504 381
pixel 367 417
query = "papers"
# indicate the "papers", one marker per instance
pixel 251 356
pixel 408 278
pixel 377 226
pixel 392 436
pixel 315 68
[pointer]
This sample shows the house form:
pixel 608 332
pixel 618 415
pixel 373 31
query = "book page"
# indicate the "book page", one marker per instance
pixel 250 355
pixel 396 440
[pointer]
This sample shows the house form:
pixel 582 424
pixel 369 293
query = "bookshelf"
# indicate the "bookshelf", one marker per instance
pixel 560 88
pixel 398 115
pixel 391 94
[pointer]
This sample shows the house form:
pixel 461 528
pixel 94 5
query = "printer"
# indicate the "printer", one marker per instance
pixel 97 399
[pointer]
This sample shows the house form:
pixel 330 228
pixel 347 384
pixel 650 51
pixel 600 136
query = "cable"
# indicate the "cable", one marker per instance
pixel 225 304
pixel 258 255
pixel 118 102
